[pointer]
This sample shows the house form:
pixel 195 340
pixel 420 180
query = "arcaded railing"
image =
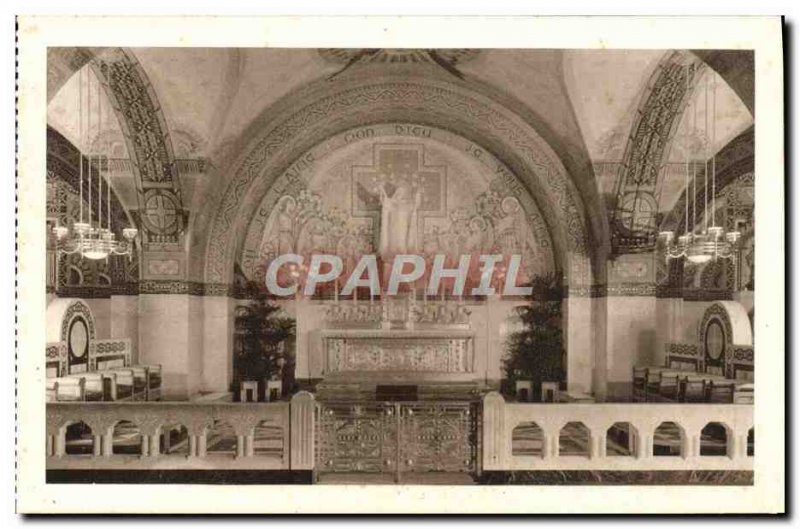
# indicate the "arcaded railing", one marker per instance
pixel 178 435
pixel 620 436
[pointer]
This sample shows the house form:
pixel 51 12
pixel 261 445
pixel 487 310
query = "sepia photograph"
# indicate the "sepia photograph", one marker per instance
pixel 458 270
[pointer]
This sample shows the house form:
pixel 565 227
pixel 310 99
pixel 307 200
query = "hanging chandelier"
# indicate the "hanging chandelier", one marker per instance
pixel 712 242
pixel 93 240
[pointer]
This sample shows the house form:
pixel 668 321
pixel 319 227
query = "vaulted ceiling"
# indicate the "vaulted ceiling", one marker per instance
pixel 210 96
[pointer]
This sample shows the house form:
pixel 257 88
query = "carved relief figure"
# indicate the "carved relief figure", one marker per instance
pixel 287 208
pixel 399 219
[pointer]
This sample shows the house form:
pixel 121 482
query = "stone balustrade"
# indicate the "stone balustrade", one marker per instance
pixel 641 421
pixel 514 436
pixel 154 420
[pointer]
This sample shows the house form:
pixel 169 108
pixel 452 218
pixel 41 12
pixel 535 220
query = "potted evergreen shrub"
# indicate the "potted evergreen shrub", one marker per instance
pixel 264 342
pixel 536 352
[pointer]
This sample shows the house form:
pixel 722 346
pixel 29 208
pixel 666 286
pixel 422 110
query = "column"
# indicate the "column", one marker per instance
pixel 97 445
pixel 108 442
pixel 167 338
pixel 193 446
pixel 597 446
pixel 201 445
pixel 690 445
pixel 301 442
pixel 155 450
pixel 217 347
pixel 239 446
pixel 50 445
pixel 577 314
pixel 494 432
pixel 644 446
pixel 249 448
pixel 61 443
pixel 550 442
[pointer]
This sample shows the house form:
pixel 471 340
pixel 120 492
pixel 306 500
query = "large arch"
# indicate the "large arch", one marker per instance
pixel 411 94
pixel 302 120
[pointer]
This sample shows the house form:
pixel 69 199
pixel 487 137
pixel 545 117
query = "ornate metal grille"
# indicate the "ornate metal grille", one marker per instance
pixel 397 437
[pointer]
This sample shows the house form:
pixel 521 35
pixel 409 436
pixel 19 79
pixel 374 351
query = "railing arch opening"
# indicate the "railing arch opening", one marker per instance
pixel 668 440
pixel 78 439
pixel 621 439
pixel 527 439
pixel 174 440
pixel 269 439
pixel 221 439
pixel 574 439
pixel 714 439
pixel 127 438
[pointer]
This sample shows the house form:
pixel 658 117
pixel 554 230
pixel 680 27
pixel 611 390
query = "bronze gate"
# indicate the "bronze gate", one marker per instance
pixel 397 437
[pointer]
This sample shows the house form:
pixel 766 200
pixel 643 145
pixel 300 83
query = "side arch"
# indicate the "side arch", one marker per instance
pixel 144 128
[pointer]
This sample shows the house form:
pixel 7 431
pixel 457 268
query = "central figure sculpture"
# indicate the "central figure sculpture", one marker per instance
pixel 399 218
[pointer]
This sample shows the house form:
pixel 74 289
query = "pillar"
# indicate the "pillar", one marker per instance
pixel 644 446
pixel 164 339
pixel 301 437
pixel 597 446
pixel 108 442
pixel 201 445
pixel 577 314
pixel 154 448
pixel 550 449
pixel 690 445
pixel 494 432
pixel 97 445
pixel 239 446
pixel 125 322
pixel 217 347
pixel 60 443
pixel 249 449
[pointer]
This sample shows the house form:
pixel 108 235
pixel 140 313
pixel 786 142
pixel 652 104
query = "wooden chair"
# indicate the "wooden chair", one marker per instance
pixel 652 382
pixel 693 390
pixel 550 392
pixel 248 391
pixel 124 384
pixel 639 383
pixel 744 394
pixel 92 386
pixel 66 389
pixel 668 386
pixel 720 392
pixel 154 374
pixel 139 382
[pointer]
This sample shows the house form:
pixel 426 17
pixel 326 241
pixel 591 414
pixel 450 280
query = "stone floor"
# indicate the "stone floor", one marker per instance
pixel 410 478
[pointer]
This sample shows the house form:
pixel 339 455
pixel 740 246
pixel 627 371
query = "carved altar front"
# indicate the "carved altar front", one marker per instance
pixel 376 350
pixel 428 344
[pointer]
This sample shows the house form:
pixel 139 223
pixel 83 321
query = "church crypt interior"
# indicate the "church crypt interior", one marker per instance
pixel 596 204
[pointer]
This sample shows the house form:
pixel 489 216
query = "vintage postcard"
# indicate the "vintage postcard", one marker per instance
pixel 384 265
